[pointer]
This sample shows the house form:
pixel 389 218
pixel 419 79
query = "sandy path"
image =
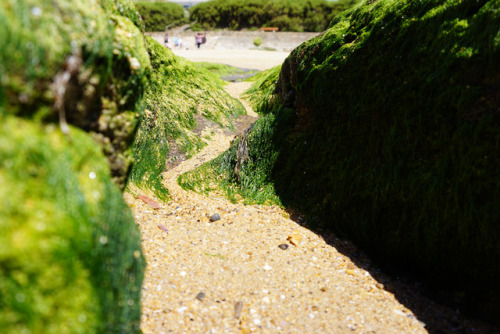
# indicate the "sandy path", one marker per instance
pixel 231 276
pixel 252 59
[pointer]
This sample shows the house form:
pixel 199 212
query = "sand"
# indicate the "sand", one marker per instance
pixel 251 59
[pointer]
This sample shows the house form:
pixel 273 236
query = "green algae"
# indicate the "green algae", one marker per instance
pixel 70 255
pixel 389 136
pixel 221 70
pixel 260 94
pixel 102 52
pixel 180 95
pixel 252 183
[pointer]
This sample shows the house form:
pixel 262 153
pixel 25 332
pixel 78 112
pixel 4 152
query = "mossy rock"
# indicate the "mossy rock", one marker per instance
pixel 181 101
pixel 388 133
pixel 70 254
pixel 76 61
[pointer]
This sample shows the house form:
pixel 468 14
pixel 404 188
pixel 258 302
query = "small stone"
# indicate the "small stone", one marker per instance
pixel 295 238
pixel 267 267
pixel 163 228
pixel 283 246
pixel 214 217
pixel 237 309
pixel 149 201
pixel 200 296
pixel 350 272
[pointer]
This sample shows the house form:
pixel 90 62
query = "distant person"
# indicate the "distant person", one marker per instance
pixel 165 40
pixel 199 39
pixel 176 41
pixel 180 42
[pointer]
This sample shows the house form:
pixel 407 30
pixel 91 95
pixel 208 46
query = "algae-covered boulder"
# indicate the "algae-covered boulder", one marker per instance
pixel 388 133
pixel 181 101
pixel 70 255
pixel 71 73
pixel 76 62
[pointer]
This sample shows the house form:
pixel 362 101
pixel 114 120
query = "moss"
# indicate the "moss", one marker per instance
pixel 223 72
pixel 395 135
pixel 76 58
pixel 70 253
pixel 180 96
pixel 251 181
pixel 261 92
pixel 70 257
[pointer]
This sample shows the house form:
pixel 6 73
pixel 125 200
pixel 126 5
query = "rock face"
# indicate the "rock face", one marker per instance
pixel 394 139
pixel 79 62
pixel 70 255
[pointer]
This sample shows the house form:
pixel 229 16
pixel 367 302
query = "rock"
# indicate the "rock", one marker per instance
pixel 283 246
pixel 163 228
pixel 200 296
pixel 214 217
pixel 295 238
pixel 149 201
pixel 237 309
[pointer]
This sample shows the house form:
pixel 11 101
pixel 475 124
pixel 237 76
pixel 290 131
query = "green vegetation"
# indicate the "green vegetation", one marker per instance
pixel 257 41
pixel 386 130
pixel 159 16
pixel 109 69
pixel 180 96
pixel 260 94
pixel 70 255
pixel 251 183
pixel 288 15
pixel 222 71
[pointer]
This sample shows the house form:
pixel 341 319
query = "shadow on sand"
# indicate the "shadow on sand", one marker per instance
pixel 424 303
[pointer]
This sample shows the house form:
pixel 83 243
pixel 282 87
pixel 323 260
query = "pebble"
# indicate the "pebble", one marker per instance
pixel 200 296
pixel 214 217
pixel 155 205
pixel 283 246
pixel 295 238
pixel 237 309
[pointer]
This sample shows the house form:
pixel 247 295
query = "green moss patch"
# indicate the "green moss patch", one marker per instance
pixel 71 74
pixel 80 62
pixel 227 72
pixel 70 255
pixel 179 98
pixel 250 181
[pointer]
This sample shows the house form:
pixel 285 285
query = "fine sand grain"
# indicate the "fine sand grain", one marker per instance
pixel 257 270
